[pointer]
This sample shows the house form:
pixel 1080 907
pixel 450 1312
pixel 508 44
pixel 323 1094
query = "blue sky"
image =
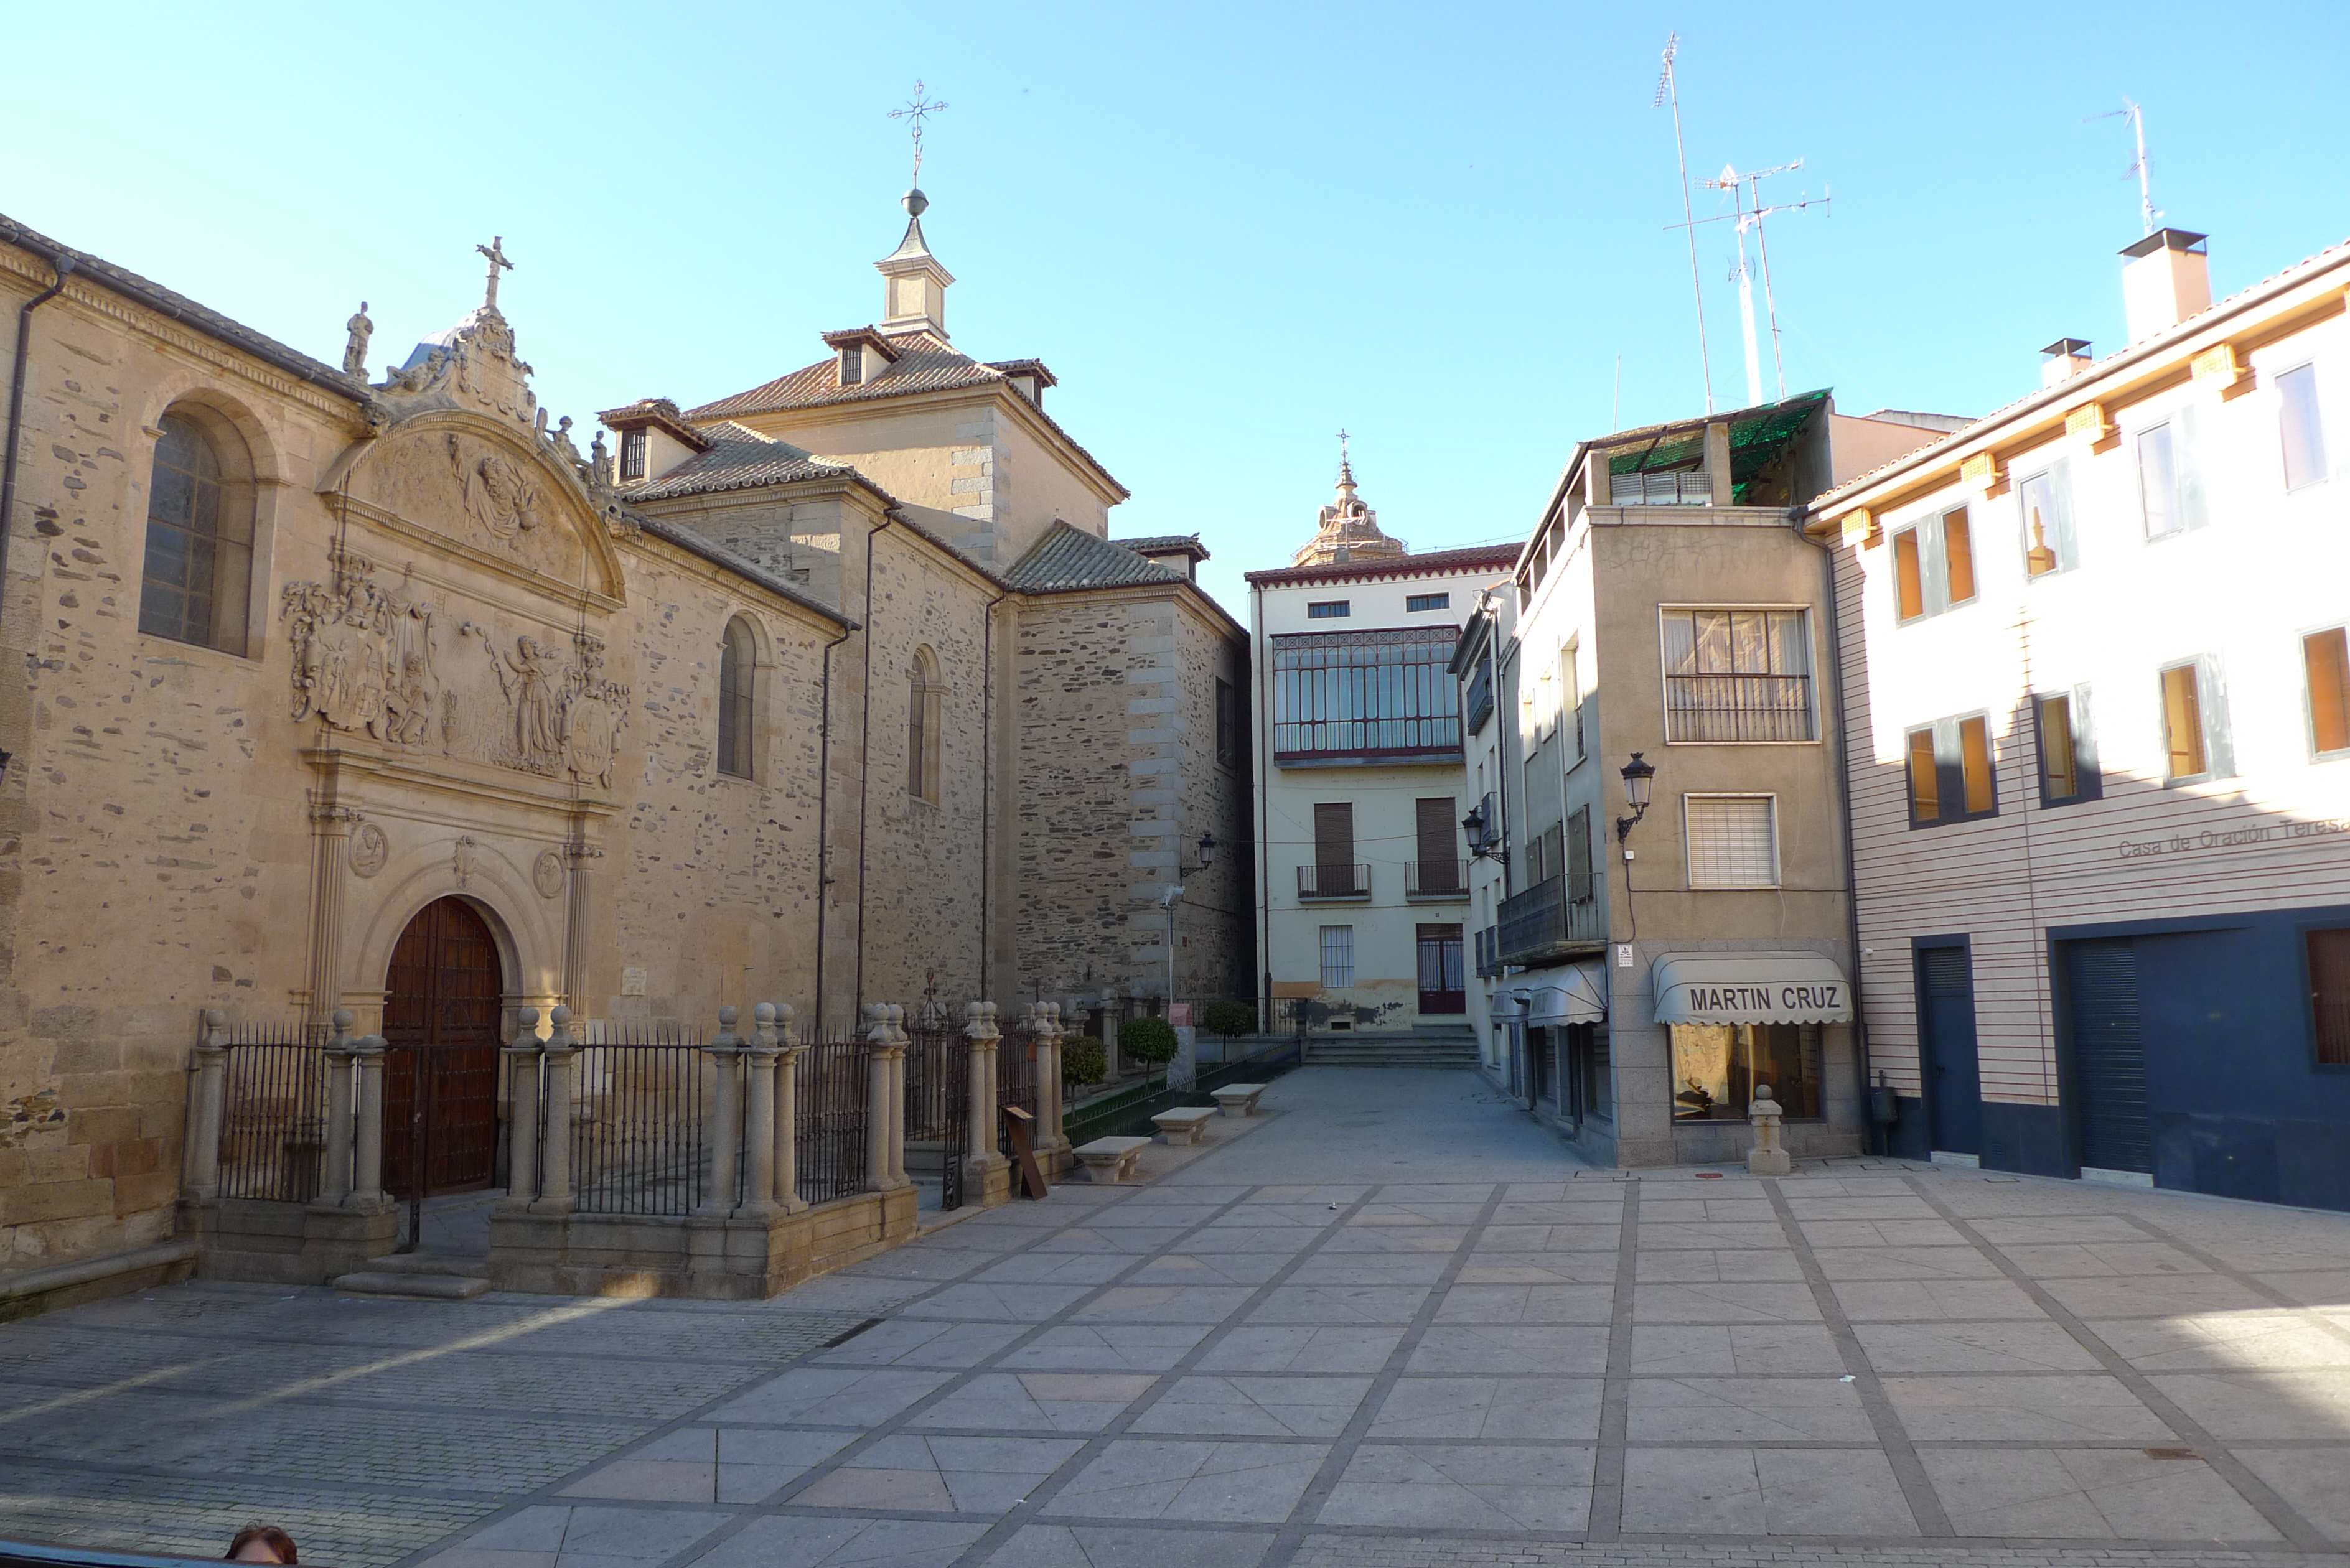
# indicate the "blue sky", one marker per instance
pixel 1229 229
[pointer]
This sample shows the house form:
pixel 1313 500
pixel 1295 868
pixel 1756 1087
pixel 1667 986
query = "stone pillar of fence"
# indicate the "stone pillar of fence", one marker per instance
pixel 726 1125
pixel 986 1174
pixel 342 1048
pixel 759 1054
pixel 885 1104
pixel 776 1023
pixel 554 1117
pixel 1044 1027
pixel 207 1106
pixel 522 1117
pixel 367 1182
pixel 1109 1017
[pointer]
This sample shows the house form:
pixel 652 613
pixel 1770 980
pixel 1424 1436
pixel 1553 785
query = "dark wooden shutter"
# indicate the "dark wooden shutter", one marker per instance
pixel 1578 855
pixel 1333 845
pixel 2108 1056
pixel 1440 866
pixel 2329 994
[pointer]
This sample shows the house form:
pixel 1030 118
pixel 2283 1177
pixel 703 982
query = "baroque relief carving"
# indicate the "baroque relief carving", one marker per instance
pixel 363 654
pixel 546 874
pixel 370 849
pixel 564 717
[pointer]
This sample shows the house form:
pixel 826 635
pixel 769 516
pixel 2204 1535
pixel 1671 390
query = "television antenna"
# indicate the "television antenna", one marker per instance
pixel 1669 90
pixel 2130 112
pixel 1746 196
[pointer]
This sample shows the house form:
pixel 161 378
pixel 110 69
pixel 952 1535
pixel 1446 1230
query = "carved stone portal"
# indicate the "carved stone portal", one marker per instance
pixel 363 654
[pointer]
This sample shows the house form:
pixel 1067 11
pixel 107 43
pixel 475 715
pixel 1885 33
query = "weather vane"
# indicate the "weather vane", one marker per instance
pixel 917 110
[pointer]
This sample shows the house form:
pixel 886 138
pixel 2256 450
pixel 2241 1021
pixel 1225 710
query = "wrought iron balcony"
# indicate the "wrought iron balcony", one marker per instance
pixel 1553 919
pixel 1334 881
pixel 1748 708
pixel 1437 880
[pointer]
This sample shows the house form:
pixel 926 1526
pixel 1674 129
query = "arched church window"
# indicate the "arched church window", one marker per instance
pixel 925 698
pixel 737 674
pixel 199 569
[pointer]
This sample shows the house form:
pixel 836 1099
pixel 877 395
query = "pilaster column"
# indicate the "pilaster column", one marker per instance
pixel 555 1158
pixel 366 1185
pixel 786 1188
pixel 759 1055
pixel 579 908
pixel 885 1106
pixel 522 1094
pixel 330 843
pixel 725 1118
pixel 207 1091
pixel 334 1180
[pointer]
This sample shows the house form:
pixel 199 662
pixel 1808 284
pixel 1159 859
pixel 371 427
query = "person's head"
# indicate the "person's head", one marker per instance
pixel 261 1543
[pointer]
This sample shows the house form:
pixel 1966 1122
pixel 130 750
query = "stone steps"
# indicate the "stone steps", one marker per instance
pixel 1422 1049
pixel 420 1275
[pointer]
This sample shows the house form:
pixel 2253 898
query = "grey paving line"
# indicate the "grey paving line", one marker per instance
pixel 1606 1519
pixel 2308 1314
pixel 2280 1515
pixel 552 1493
pixel 1423 1551
pixel 1291 1534
pixel 1039 1498
pixel 1892 1437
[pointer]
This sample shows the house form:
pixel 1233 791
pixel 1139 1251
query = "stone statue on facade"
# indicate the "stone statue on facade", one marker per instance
pixel 355 347
pixel 531 692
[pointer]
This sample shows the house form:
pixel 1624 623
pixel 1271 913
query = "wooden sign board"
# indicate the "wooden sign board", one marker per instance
pixel 1032 1178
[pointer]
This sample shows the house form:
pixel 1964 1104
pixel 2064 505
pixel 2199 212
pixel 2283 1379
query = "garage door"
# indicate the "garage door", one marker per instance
pixel 2108 1057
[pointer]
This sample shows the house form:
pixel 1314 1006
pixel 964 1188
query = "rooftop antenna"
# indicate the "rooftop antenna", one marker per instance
pixel 1751 212
pixel 917 110
pixel 1669 91
pixel 2130 112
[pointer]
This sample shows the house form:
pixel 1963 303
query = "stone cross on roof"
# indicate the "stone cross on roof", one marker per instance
pixel 496 251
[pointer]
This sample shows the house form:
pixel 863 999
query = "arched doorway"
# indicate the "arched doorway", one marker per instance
pixel 441 1016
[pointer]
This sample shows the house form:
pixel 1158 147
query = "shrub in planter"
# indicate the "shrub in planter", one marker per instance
pixel 1082 1062
pixel 1228 1018
pixel 1148 1040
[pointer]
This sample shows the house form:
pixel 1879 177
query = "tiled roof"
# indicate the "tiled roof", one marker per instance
pixel 658 412
pixel 924 365
pixel 1069 558
pixel 1167 544
pixel 91 269
pixel 739 459
pixel 1428 564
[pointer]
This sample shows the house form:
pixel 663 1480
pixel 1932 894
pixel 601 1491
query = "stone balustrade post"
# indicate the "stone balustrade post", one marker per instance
pixel 899 1039
pixel 522 1117
pixel 885 1107
pixel 725 1117
pixel 775 1020
pixel 1049 1135
pixel 1111 1013
pixel 1766 1157
pixel 562 1054
pixel 759 1054
pixel 982 1161
pixel 335 1181
pixel 207 1107
pixel 367 1183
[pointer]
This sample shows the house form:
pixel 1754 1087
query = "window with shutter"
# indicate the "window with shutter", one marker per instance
pixel 1334 847
pixel 2329 994
pixel 1581 888
pixel 2303 431
pixel 1733 840
pixel 1434 822
pixel 2325 655
pixel 1958 556
pixel 2047 506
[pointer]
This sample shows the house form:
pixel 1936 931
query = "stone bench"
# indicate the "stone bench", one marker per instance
pixel 1238 1099
pixel 1111 1160
pixel 1185 1125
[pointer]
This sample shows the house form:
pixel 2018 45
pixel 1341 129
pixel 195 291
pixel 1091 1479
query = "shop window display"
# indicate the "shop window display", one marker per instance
pixel 1716 1065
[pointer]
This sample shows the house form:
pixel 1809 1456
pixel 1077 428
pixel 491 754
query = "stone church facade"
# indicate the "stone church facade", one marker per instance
pixel 831 693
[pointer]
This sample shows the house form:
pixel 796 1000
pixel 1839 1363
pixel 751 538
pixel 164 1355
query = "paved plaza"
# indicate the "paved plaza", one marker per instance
pixel 1392 1326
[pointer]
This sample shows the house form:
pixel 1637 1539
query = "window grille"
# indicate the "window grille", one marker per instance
pixel 1738 676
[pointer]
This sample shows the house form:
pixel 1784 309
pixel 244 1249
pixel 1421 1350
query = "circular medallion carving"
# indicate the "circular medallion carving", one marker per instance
pixel 370 849
pixel 546 874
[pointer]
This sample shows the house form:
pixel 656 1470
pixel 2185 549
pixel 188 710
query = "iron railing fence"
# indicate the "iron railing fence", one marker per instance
pixel 1555 912
pixel 640 1125
pixel 938 1105
pixel 1437 880
pixel 1334 881
pixel 274 1113
pixel 1016 1084
pixel 831 1117
pixel 1749 708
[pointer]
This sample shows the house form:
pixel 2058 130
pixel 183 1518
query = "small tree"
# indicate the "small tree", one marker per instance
pixel 1229 1020
pixel 1148 1040
pixel 1082 1062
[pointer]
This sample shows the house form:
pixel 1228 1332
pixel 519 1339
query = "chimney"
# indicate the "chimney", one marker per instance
pixel 2167 279
pixel 2067 357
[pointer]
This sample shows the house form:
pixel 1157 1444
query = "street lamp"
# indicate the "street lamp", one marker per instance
pixel 1637 776
pixel 1484 838
pixel 1174 896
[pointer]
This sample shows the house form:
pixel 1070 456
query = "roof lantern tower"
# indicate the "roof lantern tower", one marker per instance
pixel 1347 529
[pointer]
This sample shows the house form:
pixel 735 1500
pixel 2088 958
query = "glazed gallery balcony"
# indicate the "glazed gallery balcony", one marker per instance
pixel 1344 698
pixel 1553 919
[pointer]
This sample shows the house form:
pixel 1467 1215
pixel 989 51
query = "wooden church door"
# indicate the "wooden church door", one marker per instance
pixel 440 1017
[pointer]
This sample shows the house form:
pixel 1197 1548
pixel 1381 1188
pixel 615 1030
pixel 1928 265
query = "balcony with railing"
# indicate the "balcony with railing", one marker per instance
pixel 1351 697
pixel 1489 947
pixel 1752 708
pixel 1436 880
pixel 1334 881
pixel 1556 918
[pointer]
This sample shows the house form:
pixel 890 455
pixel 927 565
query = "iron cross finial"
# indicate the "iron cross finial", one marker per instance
pixel 1342 447
pixel 917 110
pixel 496 251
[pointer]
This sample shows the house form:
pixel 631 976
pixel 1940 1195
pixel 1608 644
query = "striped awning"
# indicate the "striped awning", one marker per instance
pixel 1750 988
pixel 1578 995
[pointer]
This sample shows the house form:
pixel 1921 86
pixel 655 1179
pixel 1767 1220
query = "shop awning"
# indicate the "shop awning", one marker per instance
pixel 1578 995
pixel 1750 988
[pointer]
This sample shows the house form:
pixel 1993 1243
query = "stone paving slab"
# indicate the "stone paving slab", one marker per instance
pixel 1452 1346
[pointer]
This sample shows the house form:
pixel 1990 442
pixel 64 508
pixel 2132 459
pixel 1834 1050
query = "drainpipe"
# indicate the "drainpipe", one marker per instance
pixel 986 779
pixel 823 803
pixel 64 265
pixel 1260 765
pixel 1843 808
